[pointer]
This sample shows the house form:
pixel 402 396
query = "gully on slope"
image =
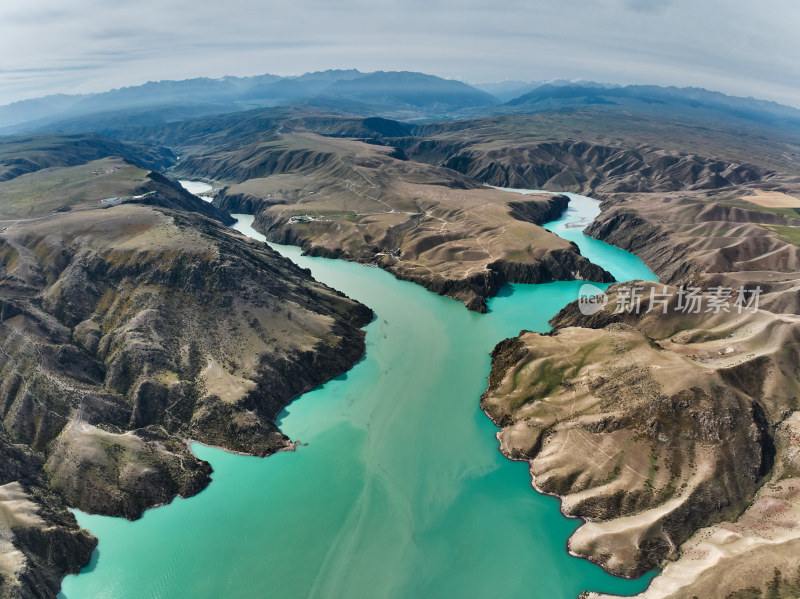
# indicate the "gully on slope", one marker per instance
pixel 397 489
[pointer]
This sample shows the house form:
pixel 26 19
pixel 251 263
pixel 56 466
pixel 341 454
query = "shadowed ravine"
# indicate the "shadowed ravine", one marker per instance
pixel 400 491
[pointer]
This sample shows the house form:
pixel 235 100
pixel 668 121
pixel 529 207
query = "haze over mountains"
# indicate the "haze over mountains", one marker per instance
pixel 393 94
pixel 133 319
pixel 399 93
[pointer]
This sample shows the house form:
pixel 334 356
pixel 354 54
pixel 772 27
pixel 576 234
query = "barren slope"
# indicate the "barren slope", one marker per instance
pixel 647 431
pixel 348 199
pixel 126 331
pixel 712 238
pixel 671 433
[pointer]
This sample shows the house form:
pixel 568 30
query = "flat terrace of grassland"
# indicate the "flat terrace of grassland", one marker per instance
pixel 42 192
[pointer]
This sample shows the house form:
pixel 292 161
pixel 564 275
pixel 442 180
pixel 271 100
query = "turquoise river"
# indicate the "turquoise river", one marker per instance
pixel 400 491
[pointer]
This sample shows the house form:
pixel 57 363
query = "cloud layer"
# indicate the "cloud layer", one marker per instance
pixel 735 46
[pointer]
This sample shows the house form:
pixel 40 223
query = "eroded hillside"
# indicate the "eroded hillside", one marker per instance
pixel 413 199
pixel 344 198
pixel 127 328
pixel 671 430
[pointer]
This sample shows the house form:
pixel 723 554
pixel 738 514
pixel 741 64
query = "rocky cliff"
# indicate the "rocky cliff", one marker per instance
pixel 158 190
pixel 671 433
pixel 647 427
pixel 455 246
pixel 349 199
pixel 125 332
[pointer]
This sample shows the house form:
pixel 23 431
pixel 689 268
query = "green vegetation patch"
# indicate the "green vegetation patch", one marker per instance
pixel 40 193
pixel 744 205
pixel 784 233
pixel 548 378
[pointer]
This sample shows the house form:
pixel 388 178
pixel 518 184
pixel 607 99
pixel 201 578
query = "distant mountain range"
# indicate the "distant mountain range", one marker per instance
pixel 408 96
pixel 686 101
pixel 400 94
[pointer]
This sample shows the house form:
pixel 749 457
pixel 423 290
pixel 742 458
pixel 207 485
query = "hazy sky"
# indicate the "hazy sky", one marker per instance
pixel 737 46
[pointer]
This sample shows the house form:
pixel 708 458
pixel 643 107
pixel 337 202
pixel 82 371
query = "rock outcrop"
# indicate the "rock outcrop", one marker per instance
pixel 40 540
pixel 672 432
pixel 125 332
pixel 647 427
pixel 456 244
pixel 348 199
pixel 158 190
